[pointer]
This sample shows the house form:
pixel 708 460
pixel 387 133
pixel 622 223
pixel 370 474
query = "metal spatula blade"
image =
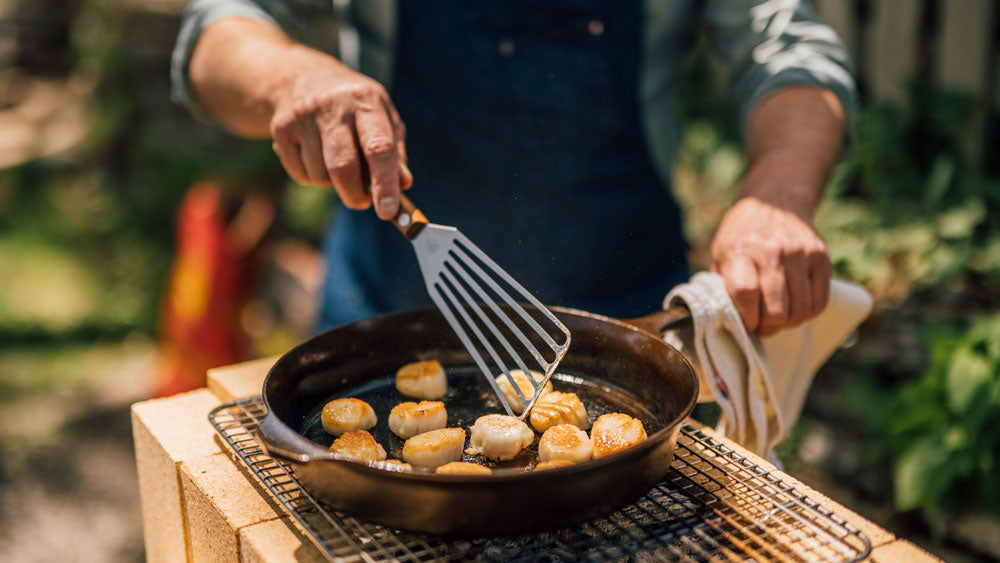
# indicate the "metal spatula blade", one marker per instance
pixel 483 305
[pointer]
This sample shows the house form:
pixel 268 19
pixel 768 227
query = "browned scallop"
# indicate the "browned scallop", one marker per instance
pixel 527 389
pixel 358 445
pixel 615 432
pixel 423 380
pixel 565 441
pixel 434 448
pixel 409 419
pixel 463 468
pixel 553 464
pixel 558 408
pixel 499 436
pixel 342 415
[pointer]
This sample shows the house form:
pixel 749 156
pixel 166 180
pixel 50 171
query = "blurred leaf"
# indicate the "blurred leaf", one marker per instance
pixel 921 473
pixel 958 223
pixel 724 168
pixel 939 179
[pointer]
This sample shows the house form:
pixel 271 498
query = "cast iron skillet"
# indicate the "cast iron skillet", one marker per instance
pixel 613 365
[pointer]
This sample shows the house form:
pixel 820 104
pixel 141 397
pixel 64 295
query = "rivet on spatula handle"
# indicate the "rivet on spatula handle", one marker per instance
pixel 409 220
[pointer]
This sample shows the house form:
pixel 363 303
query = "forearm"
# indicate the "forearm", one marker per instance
pixel 241 67
pixel 793 140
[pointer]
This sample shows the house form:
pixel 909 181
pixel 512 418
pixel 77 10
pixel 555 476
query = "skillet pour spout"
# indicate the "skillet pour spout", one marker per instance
pixel 615 366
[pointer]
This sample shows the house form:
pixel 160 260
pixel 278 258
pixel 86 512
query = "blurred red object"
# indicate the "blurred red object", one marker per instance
pixel 211 277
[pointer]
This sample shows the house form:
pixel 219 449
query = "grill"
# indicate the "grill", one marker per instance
pixel 713 504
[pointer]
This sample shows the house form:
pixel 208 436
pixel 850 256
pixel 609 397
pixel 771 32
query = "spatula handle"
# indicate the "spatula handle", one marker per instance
pixel 409 220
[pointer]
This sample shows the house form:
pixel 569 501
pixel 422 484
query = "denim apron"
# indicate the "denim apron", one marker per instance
pixel 524 132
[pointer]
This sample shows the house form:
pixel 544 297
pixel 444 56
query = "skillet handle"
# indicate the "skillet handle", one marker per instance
pixel 657 323
pixel 282 442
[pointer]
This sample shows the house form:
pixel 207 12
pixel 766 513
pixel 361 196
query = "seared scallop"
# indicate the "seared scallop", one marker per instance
pixel 523 384
pixel 409 419
pixel 435 448
pixel 553 464
pixel 615 432
pixel 342 415
pixel 565 441
pixel 558 408
pixel 423 380
pixel 358 445
pixel 499 436
pixel 463 468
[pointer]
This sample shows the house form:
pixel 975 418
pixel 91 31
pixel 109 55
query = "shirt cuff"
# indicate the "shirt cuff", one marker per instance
pixel 197 17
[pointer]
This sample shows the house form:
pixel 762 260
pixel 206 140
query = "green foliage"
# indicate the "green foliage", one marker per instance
pixel 903 211
pixel 86 240
pixel 945 425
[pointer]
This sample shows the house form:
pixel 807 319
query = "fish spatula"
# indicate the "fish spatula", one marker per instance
pixel 477 296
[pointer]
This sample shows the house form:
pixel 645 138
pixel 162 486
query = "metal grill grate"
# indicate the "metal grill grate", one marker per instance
pixel 713 504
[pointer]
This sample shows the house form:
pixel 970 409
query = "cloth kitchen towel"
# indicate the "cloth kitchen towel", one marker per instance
pixel 760 383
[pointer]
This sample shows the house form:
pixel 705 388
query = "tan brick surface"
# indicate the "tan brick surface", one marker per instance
pixel 277 541
pixel 239 380
pixel 219 501
pixel 901 550
pixel 167 432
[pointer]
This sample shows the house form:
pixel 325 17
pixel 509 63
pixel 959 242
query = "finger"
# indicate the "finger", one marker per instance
pixel 343 165
pixel 819 272
pixel 799 288
pixel 743 285
pixel 399 130
pixel 405 176
pixel 291 160
pixel 311 151
pixel 774 298
pixel 378 145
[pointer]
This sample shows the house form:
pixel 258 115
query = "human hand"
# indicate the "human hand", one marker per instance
pixel 335 127
pixel 775 266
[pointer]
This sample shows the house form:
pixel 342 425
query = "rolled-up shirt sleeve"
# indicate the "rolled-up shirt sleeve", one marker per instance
pixel 777 43
pixel 199 14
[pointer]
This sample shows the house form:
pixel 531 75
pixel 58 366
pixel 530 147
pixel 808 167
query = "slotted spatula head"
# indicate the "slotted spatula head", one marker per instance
pixel 501 325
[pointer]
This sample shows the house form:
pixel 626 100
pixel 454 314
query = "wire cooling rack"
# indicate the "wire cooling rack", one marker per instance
pixel 713 504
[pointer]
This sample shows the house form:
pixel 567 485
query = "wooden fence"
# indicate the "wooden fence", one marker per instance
pixel 951 43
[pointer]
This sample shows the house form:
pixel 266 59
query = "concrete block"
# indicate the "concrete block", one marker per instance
pixel 901 550
pixel 239 380
pixel 277 541
pixel 167 432
pixel 219 501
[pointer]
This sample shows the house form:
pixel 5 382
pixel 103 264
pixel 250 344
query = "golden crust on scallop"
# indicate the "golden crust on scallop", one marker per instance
pixel 615 432
pixel 558 408
pixel 342 415
pixel 423 408
pixel 553 464
pixel 423 380
pixel 434 448
pixel 565 441
pixel 409 418
pixel 524 384
pixel 463 468
pixel 358 445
